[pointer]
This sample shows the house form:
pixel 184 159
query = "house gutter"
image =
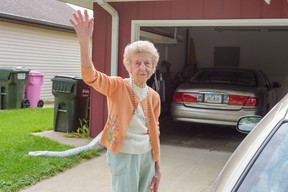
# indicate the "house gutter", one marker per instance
pixel 115 35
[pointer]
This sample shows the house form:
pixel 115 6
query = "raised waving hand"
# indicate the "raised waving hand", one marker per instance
pixel 83 26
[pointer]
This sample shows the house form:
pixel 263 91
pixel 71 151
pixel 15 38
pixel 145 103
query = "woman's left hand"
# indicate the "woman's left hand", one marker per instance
pixel 155 182
pixel 156 179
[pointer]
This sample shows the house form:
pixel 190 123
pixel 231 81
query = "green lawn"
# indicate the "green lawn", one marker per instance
pixel 17 169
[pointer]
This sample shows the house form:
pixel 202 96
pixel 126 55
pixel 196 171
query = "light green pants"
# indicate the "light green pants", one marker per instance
pixel 131 172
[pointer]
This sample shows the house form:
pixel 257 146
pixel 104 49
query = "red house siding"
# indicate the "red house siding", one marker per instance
pixel 252 9
pixel 274 10
pixel 231 8
pixel 101 50
pixel 159 10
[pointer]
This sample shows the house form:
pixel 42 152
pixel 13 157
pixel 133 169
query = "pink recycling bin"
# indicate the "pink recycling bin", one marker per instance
pixel 33 88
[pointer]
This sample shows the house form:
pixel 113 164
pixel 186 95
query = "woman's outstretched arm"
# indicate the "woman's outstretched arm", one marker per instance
pixel 83 26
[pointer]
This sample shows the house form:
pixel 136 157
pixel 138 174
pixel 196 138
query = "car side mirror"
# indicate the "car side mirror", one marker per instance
pixel 247 123
pixel 276 85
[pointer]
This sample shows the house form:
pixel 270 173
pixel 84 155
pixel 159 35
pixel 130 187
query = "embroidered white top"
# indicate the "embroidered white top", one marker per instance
pixel 136 140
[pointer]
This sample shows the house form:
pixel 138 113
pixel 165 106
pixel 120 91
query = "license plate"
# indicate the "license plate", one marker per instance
pixel 212 98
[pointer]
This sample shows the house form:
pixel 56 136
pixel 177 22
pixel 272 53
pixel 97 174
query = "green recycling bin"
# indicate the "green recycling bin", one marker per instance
pixel 71 102
pixel 12 82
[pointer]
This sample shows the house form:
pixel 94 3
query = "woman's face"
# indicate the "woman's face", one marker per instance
pixel 141 68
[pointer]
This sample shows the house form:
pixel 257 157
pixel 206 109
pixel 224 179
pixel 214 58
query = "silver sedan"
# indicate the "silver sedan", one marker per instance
pixel 221 96
pixel 260 163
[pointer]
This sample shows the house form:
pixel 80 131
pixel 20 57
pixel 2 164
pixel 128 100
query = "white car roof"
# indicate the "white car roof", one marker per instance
pixel 249 146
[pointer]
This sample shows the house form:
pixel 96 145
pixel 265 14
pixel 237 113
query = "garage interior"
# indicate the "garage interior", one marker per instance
pixel 184 49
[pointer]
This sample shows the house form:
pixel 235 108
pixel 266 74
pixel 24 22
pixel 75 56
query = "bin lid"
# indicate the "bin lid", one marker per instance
pixel 66 77
pixel 36 73
pixel 64 83
pixel 5 72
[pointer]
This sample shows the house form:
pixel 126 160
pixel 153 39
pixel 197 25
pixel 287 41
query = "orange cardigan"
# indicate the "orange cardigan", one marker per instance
pixel 120 109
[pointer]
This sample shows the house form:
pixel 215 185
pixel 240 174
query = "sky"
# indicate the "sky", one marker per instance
pixel 90 12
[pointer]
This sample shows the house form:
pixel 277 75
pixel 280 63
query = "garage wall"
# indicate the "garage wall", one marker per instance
pixel 48 51
pixel 265 50
pixel 176 54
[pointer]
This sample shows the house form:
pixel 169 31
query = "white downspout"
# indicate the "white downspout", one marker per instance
pixel 115 35
pixel 267 1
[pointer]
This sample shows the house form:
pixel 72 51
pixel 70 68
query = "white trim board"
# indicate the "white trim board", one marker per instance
pixel 136 24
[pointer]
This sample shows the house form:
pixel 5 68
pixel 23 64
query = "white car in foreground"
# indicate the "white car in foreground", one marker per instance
pixel 260 163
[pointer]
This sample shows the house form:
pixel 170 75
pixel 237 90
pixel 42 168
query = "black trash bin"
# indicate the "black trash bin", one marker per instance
pixel 12 81
pixel 71 102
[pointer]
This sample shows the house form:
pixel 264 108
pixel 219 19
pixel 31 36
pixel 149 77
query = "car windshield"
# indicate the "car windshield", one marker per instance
pixel 269 171
pixel 224 76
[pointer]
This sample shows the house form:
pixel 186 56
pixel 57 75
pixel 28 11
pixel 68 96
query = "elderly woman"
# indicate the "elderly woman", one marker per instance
pixel 131 133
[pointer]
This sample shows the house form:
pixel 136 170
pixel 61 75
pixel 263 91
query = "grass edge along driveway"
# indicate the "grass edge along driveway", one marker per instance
pixel 17 169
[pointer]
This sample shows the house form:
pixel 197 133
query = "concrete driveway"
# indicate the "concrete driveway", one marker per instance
pixel 183 170
pixel 191 158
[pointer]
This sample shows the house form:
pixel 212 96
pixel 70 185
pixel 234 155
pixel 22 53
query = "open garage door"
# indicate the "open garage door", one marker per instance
pixel 251 43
